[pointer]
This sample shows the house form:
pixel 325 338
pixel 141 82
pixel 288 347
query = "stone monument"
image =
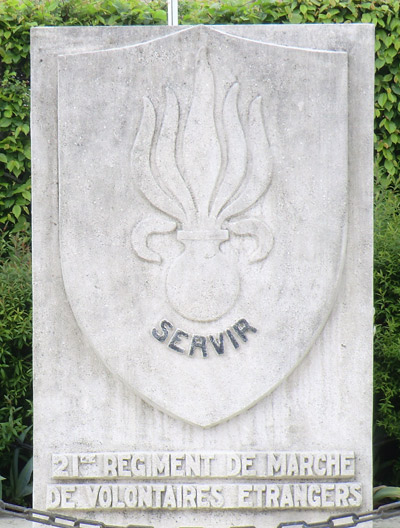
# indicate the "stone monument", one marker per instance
pixel 202 273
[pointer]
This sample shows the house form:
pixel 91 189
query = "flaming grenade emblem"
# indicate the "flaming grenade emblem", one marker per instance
pixel 202 177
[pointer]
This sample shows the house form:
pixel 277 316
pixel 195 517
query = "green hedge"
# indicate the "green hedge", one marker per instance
pixel 387 337
pixel 15 346
pixel 16 19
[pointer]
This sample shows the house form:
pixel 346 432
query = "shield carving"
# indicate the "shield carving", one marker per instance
pixel 203 199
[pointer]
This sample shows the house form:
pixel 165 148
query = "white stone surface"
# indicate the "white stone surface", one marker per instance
pixel 205 280
pixel 198 191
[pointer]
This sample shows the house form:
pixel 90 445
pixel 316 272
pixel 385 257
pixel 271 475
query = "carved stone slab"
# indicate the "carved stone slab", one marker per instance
pixel 214 247
pixel 202 272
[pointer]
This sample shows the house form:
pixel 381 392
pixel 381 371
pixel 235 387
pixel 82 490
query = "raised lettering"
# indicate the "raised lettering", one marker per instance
pixel 116 503
pixel 179 499
pixel 355 497
pixel 286 500
pixel 92 493
pixel 198 342
pixel 138 465
pixel 232 338
pixel 177 465
pixel 276 464
pixel 61 463
pixel 327 494
pixel 53 498
pixel 244 496
pixel 66 494
pixel 333 465
pixel 123 465
pixel 176 338
pixel 292 465
pixel 145 497
pixel 314 495
pixel 169 498
pixel 272 496
pixel 306 464
pixel 218 344
pixel 247 495
pixel 188 497
pixel 202 496
pixel 157 490
pixel 319 466
pixel 110 465
pixel 165 326
pixel 347 465
pixel 216 499
pixel 241 327
pixel 160 465
pixel 207 464
pixel 233 465
pixel 105 497
pixel 259 489
pixel 300 496
pixel 193 465
pixel 342 494
pixel 248 465
pixel 130 496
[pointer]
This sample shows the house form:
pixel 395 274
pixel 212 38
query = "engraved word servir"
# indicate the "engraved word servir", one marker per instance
pixel 214 170
pixel 179 339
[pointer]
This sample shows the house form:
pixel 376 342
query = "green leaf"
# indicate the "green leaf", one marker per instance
pixel 160 15
pixel 296 18
pixel 386 492
pixel 27 151
pixel 389 166
pixel 379 63
pixel 396 87
pixel 392 52
pixel 16 211
pixel 23 485
pixel 382 99
pixel 5 122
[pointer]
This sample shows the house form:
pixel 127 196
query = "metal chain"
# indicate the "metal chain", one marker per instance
pixel 350 519
pixel 63 521
pixel 52 519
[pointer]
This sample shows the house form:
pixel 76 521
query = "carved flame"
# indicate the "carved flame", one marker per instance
pixel 206 194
